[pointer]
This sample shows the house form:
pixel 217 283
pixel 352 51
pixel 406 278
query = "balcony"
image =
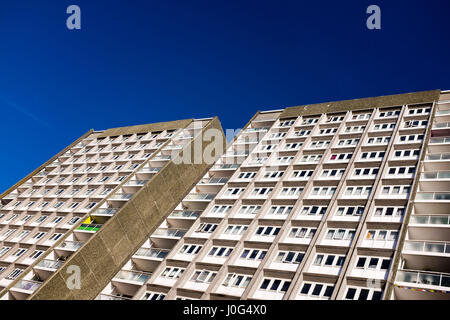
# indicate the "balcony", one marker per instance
pixel 441 125
pixel 200 197
pixel 424 279
pixel 121 197
pixel 105 212
pixel 69 246
pixel 103 296
pixel 214 181
pixel 49 264
pixel 432 196
pixel 185 214
pixel 90 227
pixel 136 183
pixel 435 175
pixel 132 277
pixel 170 233
pixel 26 287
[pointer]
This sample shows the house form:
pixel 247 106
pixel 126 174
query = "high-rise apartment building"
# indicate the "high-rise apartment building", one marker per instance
pixel 324 201
pixel 338 200
pixel 85 210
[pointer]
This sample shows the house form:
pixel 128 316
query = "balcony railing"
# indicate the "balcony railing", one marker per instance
pixel 152 170
pixel 185 214
pixel 121 196
pixel 436 175
pixel 432 220
pixel 103 296
pixel 200 196
pixel 50 264
pixel 162 158
pixel 70 245
pixel 27 285
pixel 442 112
pixel 133 276
pixel 255 130
pixel 152 253
pixel 441 125
pixel 106 211
pixel 214 181
pixel 89 227
pixel 440 140
pixel 136 182
pixel 438 156
pixel 426 278
pixel 427 246
pixel 439 196
pixel 226 166
pixel 175 233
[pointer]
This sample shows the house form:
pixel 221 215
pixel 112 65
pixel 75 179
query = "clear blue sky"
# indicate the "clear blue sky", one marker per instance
pixel 143 61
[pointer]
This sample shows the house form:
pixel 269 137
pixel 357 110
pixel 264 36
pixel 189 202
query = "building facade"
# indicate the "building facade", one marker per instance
pixel 344 200
pixel 92 204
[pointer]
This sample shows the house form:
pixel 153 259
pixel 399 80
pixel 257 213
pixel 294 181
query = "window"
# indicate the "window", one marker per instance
pixel 313 158
pixel 347 142
pixel 401 171
pixel 378 140
pixel 317 290
pixel 253 254
pixel 261 192
pixel 220 251
pixel 291 192
pixel 191 249
pixel 289 257
pixel 313 210
pixel 236 280
pixel 206 228
pixel 302 133
pixel 309 121
pixel 172 272
pixel 395 191
pixel 234 191
pixel 293 146
pixel 389 211
pixel 340 234
pixel 355 129
pixel 36 254
pixel 91 205
pixel 323 191
pixel 287 123
pixel 276 135
pixel 302 233
pixel 329 260
pixel 373 263
pixel 203 276
pixel 276 285
pixel 39 235
pixel 273 175
pixel 335 118
pixel 55 236
pixel 411 138
pixel 415 123
pixel 392 113
pixel 372 155
pixel 280 210
pixel 319 144
pixel 357 293
pixel 302 174
pixel 235 229
pixel 332 173
pixel 328 131
pixel 361 116
pixel 41 219
pixel 267 231
pixel 349 211
pixel 246 175
pixel 252 210
pixel 363 191
pixel 220 209
pixel 19 252
pixel 13 275
pixel 284 160
pixel 417 111
pixel 341 157
pixel 4 250
pixel 407 153
pixel 366 172
pixel 381 235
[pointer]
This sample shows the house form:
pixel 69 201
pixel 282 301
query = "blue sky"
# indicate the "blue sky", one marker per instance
pixel 146 61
